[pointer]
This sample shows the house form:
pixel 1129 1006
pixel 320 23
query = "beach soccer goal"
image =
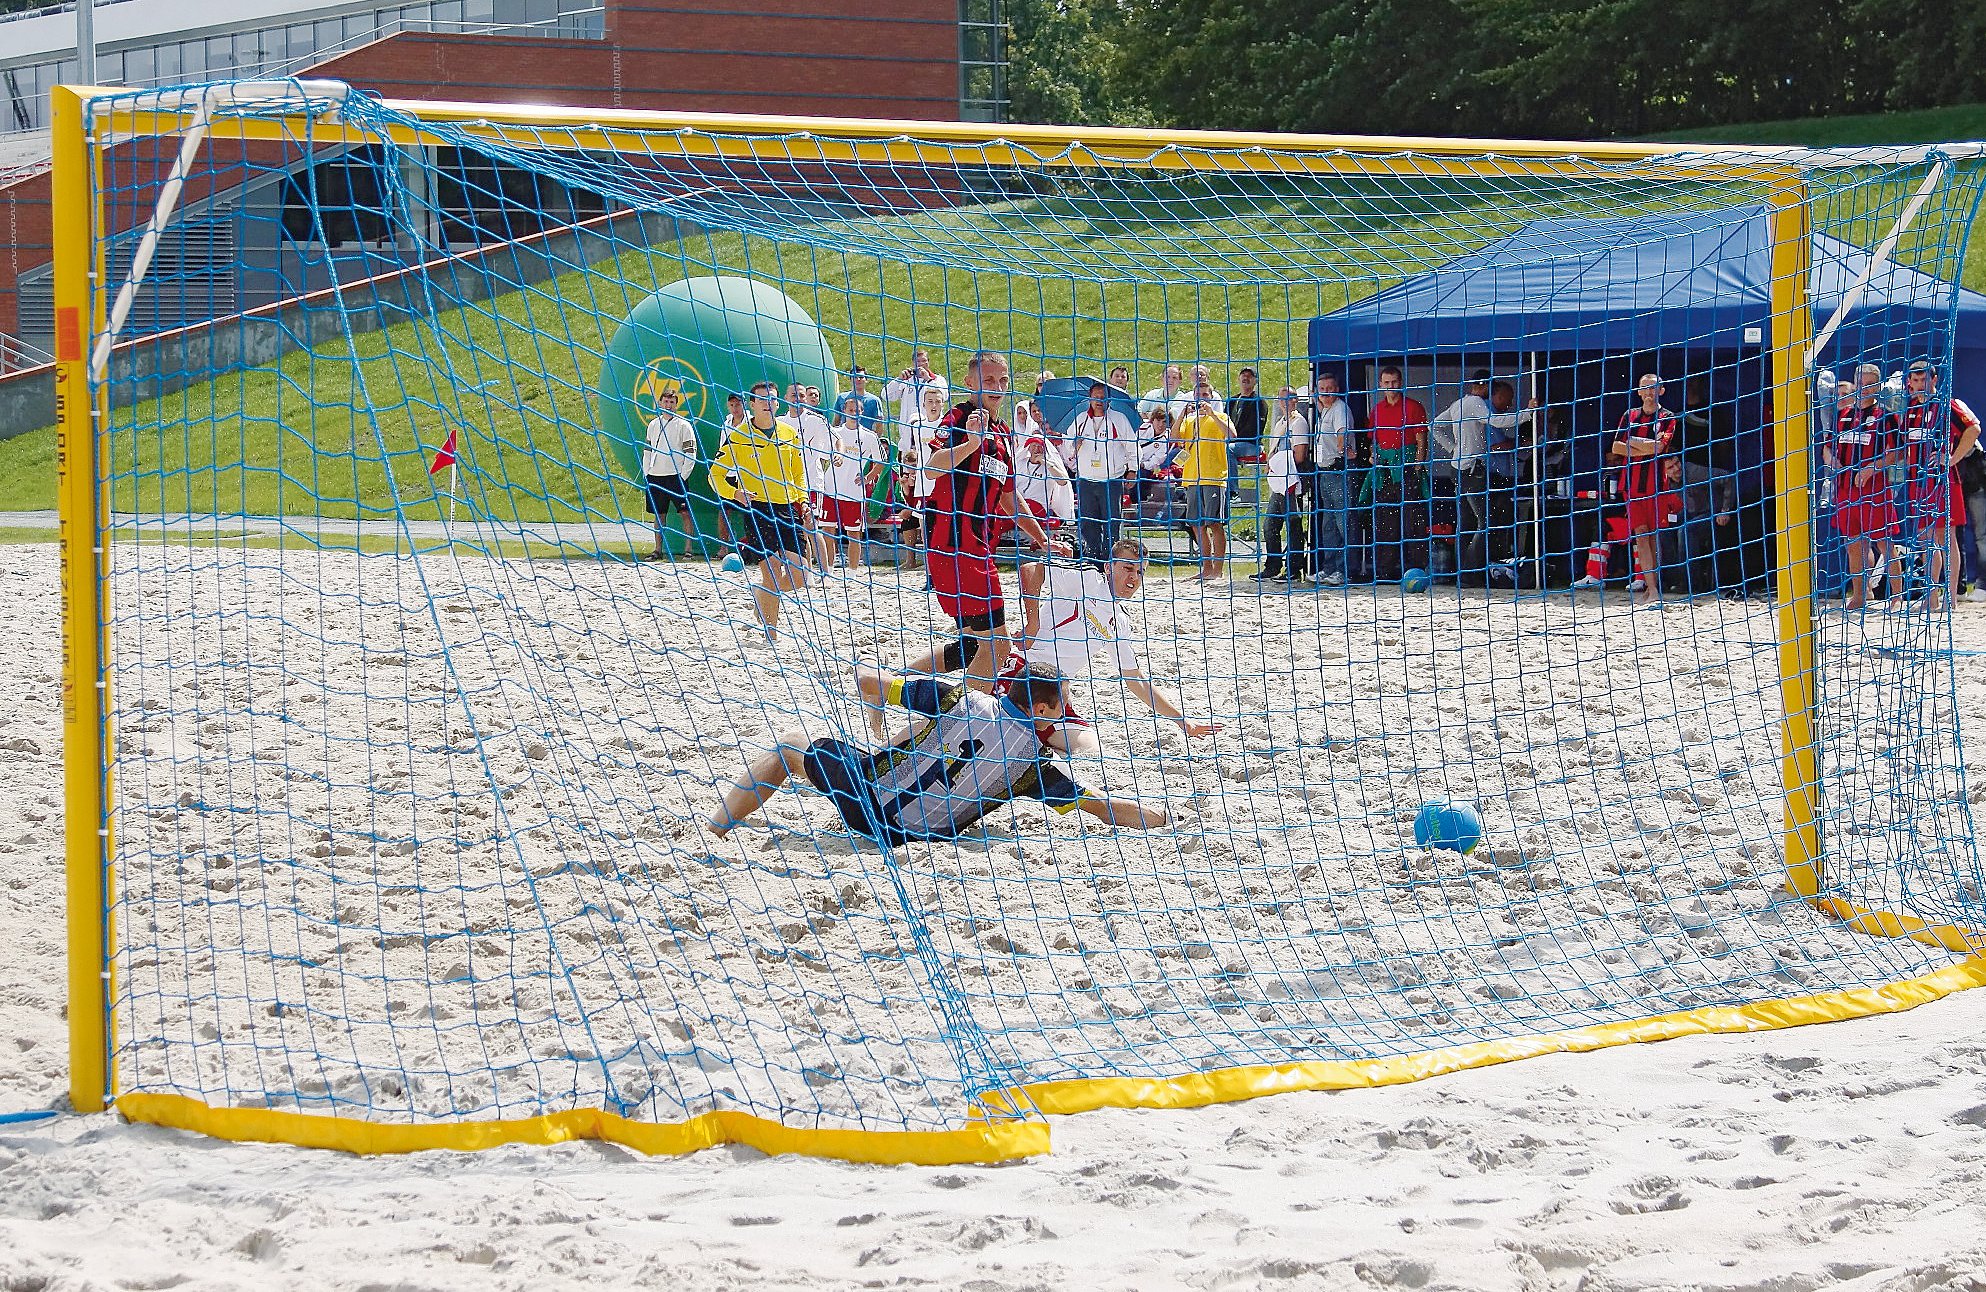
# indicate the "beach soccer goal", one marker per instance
pixel 1579 670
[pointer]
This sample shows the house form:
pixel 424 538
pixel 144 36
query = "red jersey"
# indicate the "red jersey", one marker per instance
pixel 1393 425
pixel 965 503
pixel 1642 477
pixel 1863 436
pixel 1927 441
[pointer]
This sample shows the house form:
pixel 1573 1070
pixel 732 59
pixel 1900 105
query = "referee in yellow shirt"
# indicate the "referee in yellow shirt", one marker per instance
pixel 760 471
pixel 1202 437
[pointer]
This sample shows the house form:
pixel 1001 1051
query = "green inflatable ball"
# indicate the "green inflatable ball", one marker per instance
pixel 705 338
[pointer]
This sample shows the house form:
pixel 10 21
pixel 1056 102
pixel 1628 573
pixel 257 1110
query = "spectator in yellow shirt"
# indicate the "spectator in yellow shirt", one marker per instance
pixel 1201 437
pixel 761 472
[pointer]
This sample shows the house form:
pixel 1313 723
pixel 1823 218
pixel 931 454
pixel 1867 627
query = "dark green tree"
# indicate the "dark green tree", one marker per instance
pixel 1065 64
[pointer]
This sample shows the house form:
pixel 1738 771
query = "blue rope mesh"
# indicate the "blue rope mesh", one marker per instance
pixel 413 768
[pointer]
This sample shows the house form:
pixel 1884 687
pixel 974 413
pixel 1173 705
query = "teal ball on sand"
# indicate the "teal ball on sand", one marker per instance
pixel 1453 827
pixel 732 563
pixel 705 338
pixel 1415 580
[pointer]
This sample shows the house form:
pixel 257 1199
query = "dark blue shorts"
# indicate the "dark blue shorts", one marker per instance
pixel 844 773
pixel 766 528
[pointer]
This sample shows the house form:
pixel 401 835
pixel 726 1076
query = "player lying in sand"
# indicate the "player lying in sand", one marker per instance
pixel 1075 618
pixel 976 752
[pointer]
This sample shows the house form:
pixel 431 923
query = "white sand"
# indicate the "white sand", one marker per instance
pixel 1844 1155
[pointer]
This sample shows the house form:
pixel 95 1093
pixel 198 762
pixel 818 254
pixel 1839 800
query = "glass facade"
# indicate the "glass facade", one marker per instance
pixel 288 47
pixel 982 61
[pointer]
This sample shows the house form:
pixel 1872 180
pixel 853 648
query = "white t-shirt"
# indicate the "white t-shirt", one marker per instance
pixel 1284 439
pixel 813 448
pixel 1459 432
pixel 851 450
pixel 1079 621
pixel 1046 484
pixel 1153 400
pixel 916 451
pixel 1103 446
pixel 670 449
pixel 908 396
pixel 1334 425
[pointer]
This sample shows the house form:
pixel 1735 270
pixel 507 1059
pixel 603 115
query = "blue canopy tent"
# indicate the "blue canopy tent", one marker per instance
pixel 1562 296
pixel 1693 281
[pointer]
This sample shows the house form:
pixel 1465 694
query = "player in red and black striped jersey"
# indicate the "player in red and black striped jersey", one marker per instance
pixel 1936 434
pixel 1647 436
pixel 1866 444
pixel 971 505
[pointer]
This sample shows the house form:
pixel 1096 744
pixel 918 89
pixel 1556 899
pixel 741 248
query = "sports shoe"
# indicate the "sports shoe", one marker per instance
pixel 1266 575
pixel 1976 594
pixel 1588 581
pixel 1331 581
pixel 1637 584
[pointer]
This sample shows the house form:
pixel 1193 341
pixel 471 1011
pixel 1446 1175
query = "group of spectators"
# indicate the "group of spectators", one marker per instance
pixel 1937 506
pixel 1346 501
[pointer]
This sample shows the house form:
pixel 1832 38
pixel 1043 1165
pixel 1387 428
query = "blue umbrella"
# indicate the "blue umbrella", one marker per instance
pixel 1063 398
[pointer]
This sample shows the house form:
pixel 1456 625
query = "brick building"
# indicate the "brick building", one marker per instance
pixel 931 60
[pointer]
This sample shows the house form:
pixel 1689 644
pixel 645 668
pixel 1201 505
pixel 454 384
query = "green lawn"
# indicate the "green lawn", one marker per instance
pixel 1156 270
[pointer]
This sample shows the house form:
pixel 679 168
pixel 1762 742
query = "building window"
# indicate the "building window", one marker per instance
pixel 480 200
pixel 350 206
pixel 982 61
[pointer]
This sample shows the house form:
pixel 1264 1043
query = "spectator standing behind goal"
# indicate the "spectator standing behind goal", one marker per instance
pixel 905 393
pixel 667 458
pixel 1646 437
pixel 1864 448
pixel 761 471
pixel 855 461
pixel 1250 414
pixel 1285 471
pixel 1203 436
pixel 1329 461
pixel 1938 435
pixel 1105 447
pixel 1163 395
pixel 1399 431
pixel 1505 470
pixel 1467 424
pixel 872 405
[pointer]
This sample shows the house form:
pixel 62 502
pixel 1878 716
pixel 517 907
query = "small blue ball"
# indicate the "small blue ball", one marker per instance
pixel 1415 580
pixel 1451 826
pixel 732 563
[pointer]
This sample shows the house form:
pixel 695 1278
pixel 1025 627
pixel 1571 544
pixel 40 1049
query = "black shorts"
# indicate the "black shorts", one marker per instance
pixel 765 528
pixel 666 491
pixel 843 772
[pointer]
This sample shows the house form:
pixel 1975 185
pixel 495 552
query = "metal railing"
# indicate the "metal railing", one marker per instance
pixel 17 355
pixel 574 24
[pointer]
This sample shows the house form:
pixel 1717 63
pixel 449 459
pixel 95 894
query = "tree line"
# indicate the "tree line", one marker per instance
pixel 1576 69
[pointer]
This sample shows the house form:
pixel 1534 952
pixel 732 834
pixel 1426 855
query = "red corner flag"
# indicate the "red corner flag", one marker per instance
pixel 445 458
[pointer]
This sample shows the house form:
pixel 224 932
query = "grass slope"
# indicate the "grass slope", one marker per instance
pixel 1153 271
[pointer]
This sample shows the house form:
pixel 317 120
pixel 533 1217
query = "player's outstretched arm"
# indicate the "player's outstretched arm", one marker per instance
pixel 1155 698
pixel 875 687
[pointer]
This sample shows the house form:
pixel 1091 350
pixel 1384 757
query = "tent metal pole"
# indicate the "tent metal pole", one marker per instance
pixel 1537 480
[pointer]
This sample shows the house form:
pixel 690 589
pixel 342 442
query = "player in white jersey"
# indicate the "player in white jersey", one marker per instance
pixel 976 752
pixel 1075 618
